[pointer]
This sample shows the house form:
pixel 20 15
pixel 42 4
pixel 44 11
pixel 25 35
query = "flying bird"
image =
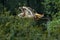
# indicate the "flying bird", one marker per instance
pixel 28 12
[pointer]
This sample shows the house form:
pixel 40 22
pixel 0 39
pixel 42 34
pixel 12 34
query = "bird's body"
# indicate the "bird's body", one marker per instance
pixel 27 13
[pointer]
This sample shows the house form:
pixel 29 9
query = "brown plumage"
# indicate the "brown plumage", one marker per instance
pixel 30 13
pixel 38 16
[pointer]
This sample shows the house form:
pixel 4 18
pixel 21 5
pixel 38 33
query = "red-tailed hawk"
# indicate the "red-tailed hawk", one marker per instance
pixel 28 12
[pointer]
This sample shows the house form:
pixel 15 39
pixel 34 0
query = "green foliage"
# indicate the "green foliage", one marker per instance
pixel 53 29
pixel 56 16
pixel 54 25
pixel 15 28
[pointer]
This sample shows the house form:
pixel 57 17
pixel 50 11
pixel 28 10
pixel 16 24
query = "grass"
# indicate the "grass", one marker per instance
pixel 15 28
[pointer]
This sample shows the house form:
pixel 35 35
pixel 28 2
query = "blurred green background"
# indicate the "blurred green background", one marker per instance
pixel 14 28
